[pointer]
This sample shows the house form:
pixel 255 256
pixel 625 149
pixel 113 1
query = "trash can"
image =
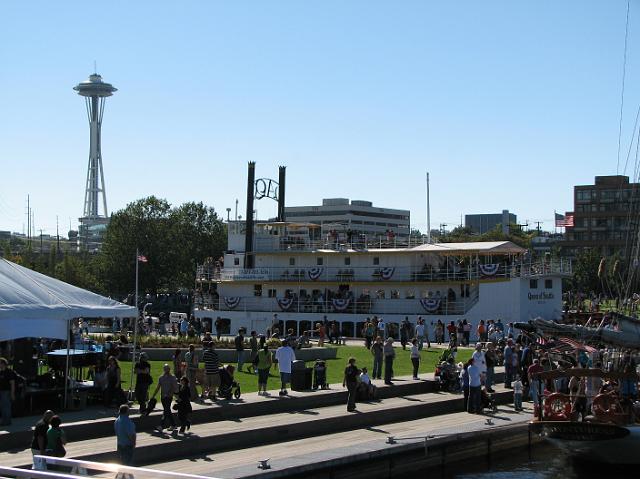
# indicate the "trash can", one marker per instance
pixel 301 376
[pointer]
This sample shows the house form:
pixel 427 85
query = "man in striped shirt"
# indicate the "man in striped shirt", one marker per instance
pixel 211 371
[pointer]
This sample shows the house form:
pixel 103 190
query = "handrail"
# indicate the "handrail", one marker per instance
pixel 82 466
pixel 306 273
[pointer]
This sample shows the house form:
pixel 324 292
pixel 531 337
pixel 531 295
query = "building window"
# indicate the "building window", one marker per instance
pixel 272 293
pixel 319 261
pixel 292 261
pixel 395 294
pixel 257 290
pixel 236 261
pixel 548 284
pixel 376 260
pixel 533 284
pixel 347 261
pixel 380 294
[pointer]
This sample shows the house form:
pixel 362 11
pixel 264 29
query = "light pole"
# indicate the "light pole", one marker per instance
pixel 228 214
pixel 135 341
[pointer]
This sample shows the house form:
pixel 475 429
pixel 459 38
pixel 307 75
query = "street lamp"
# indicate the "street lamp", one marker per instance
pixel 228 214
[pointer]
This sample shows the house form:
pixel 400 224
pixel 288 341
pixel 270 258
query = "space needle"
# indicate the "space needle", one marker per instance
pixel 93 222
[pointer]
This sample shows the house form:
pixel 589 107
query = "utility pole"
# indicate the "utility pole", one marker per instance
pixel 40 243
pixel 28 221
pixel 57 237
pixel 538 223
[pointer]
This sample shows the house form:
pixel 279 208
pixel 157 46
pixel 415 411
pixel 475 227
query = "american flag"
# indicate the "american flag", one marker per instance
pixel 563 221
pixel 142 258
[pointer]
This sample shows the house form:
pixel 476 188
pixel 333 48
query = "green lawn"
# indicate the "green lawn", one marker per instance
pixel 335 367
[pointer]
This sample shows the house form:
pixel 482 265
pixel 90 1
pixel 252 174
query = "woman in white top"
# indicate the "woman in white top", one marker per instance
pixel 415 357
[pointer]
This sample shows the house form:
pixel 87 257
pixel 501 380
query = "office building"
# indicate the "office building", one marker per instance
pixel 358 216
pixel 483 223
pixel 605 216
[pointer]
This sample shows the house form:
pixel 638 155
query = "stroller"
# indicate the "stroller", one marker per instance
pixel 320 375
pixel 487 401
pixel 228 387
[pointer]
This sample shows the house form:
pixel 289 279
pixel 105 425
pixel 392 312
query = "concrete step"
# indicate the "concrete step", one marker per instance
pixel 239 433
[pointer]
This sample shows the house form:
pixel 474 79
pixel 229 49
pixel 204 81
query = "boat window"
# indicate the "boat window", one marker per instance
pixel 293 325
pixel 395 294
pixel 292 261
pixel 236 261
pixel 548 284
pixel 380 294
pixel 319 261
pixel 376 260
pixel 257 290
pixel 410 294
pixel 347 261
pixel 347 329
pixel 272 293
pixel 533 284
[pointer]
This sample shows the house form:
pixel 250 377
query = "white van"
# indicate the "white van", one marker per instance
pixel 177 317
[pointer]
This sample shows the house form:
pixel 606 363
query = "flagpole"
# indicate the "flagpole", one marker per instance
pixel 555 223
pixel 135 329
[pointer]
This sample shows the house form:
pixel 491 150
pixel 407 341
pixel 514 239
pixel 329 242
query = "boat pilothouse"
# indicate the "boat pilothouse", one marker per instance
pixel 303 272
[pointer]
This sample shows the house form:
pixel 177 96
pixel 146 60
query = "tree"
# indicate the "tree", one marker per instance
pixel 585 271
pixel 173 240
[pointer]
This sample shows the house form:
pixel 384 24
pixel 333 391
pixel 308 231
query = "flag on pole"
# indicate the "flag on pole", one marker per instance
pixel 142 258
pixel 562 221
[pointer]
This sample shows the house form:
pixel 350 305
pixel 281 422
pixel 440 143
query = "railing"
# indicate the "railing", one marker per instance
pixel 377 306
pixel 342 242
pixel 377 274
pixel 79 468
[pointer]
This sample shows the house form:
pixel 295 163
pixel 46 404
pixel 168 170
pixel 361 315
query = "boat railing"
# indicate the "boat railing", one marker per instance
pixel 362 305
pixel 380 274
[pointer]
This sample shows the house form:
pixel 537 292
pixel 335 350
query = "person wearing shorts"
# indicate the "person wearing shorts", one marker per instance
pixel 211 372
pixel 285 357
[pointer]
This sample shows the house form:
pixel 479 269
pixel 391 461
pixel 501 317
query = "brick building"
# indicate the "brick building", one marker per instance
pixel 605 216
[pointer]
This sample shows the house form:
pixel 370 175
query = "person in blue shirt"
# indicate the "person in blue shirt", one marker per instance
pixel 125 436
pixel 508 364
pixel 475 383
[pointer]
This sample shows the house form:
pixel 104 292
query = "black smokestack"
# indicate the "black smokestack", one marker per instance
pixel 282 171
pixel 248 235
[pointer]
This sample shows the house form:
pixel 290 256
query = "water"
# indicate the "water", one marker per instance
pixel 544 462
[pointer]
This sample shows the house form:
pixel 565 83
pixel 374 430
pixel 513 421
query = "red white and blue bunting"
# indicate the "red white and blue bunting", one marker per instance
pixel 314 273
pixel 231 301
pixel 340 305
pixel 386 273
pixel 489 269
pixel 430 305
pixel 285 303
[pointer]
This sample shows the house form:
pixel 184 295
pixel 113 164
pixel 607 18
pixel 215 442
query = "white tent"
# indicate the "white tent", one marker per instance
pixel 35 305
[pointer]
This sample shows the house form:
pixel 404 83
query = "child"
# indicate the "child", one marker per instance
pixel 517 393
pixel 184 404
pixel 415 357
pixel 368 389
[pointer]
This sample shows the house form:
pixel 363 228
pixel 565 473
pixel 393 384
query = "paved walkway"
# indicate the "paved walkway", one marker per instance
pixel 239 431
pixel 293 454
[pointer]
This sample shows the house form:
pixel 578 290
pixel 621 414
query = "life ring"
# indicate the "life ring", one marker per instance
pixel 557 407
pixel 605 407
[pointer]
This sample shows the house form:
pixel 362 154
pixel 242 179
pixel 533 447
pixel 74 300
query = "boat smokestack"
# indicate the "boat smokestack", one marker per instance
pixel 248 234
pixel 282 172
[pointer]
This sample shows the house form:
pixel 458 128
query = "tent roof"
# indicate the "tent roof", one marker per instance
pixel 35 305
pixel 480 247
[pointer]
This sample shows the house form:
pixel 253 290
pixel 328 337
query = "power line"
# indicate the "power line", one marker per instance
pixel 624 74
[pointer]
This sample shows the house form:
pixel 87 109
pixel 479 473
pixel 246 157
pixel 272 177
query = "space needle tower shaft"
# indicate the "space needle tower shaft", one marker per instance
pixel 95 92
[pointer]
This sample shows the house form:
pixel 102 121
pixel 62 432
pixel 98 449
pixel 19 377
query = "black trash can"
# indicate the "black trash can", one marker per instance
pixel 301 376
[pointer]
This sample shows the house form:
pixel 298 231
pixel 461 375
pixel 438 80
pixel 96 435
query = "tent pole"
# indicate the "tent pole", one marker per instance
pixel 66 372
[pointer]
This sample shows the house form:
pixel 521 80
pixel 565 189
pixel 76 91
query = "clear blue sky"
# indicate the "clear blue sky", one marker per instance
pixel 507 104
